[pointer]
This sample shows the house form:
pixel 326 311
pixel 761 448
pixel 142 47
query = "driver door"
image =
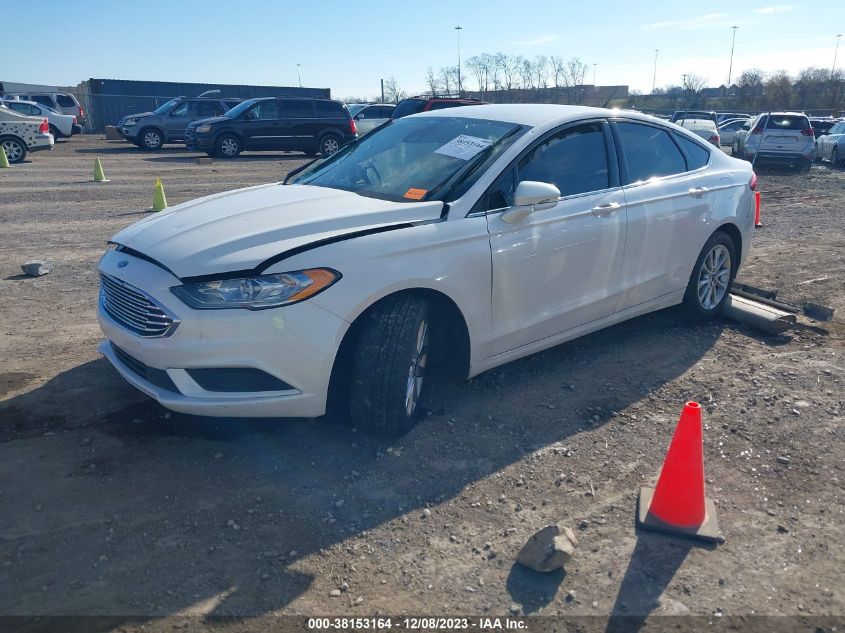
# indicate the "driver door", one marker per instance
pixel 179 118
pixel 558 268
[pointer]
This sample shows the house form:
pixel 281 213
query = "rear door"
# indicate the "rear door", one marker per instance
pixel 299 125
pixel 668 196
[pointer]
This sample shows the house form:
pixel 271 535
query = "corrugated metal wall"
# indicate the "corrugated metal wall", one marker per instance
pixel 107 100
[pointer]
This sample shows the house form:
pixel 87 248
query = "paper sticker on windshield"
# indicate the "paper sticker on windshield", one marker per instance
pixel 415 194
pixel 464 147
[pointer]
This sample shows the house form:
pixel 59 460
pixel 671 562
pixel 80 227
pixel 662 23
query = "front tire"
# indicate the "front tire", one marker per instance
pixel 712 277
pixel 151 139
pixel 389 364
pixel 228 146
pixel 834 158
pixel 15 149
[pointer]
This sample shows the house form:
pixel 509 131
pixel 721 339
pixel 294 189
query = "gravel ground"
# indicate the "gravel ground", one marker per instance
pixel 115 507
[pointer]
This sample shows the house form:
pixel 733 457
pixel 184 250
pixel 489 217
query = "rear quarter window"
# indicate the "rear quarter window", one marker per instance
pixel 408 106
pixel 697 156
pixel 329 109
pixel 649 152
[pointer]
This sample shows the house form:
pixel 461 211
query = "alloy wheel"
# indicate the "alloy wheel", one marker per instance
pixel 13 150
pixel 416 371
pixel 714 277
pixel 330 146
pixel 152 140
pixel 229 147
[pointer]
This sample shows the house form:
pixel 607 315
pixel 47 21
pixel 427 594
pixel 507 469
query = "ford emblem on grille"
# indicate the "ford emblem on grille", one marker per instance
pixel 122 263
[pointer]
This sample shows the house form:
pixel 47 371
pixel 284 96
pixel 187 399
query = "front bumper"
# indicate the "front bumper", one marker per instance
pixel 129 133
pixel 296 344
pixel 202 141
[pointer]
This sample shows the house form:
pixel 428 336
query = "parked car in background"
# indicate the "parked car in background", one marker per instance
pixel 777 137
pixel 705 128
pixel 831 146
pixel 681 115
pixel 722 117
pixel 729 128
pixel 821 126
pixel 414 105
pixel 168 122
pixel 21 134
pixel 61 125
pixel 453 241
pixel 275 123
pixel 368 116
pixel 64 102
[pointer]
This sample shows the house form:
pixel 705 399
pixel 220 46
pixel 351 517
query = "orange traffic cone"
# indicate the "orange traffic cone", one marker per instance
pixel 677 504
pixel 758 223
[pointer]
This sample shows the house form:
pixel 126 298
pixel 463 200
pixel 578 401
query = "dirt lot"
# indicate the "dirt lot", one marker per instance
pixel 112 506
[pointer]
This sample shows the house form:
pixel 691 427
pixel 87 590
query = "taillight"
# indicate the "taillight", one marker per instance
pixel 81 111
pixel 44 127
pixel 753 182
pixel 74 120
pixel 714 139
pixel 353 129
pixel 808 132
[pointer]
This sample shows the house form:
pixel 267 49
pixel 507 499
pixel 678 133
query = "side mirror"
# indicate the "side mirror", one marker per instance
pixel 531 196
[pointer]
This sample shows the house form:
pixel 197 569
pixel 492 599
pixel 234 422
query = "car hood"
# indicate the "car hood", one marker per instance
pixel 214 119
pixel 241 229
pixel 137 115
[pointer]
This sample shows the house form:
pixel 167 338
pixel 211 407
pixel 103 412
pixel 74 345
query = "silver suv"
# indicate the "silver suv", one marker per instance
pixel 777 137
pixel 168 122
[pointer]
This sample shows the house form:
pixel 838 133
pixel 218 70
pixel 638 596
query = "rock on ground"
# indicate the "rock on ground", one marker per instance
pixel 549 549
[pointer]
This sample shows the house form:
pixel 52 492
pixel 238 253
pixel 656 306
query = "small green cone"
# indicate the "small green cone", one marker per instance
pixel 159 200
pixel 99 176
pixel 4 160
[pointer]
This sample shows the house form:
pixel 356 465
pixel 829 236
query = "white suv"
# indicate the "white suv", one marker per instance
pixel 778 137
pixel 21 134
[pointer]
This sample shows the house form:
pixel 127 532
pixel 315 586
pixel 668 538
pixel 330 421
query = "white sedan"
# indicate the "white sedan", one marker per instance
pixel 831 146
pixel 458 240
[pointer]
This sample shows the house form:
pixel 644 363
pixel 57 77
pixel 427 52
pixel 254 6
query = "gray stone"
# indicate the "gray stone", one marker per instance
pixel 549 549
pixel 335 593
pixel 37 267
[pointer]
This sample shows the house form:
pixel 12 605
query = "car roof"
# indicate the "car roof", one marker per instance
pixel 27 101
pixel 534 114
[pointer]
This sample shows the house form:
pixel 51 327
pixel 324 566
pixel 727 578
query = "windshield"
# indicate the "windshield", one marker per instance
pixel 408 106
pixel 355 108
pixel 413 159
pixel 240 108
pixel 166 106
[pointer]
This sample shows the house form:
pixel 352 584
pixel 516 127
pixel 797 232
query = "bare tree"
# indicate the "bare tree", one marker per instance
pixel 778 90
pixel 751 77
pixel 392 92
pixel 576 70
pixel 693 83
pixel 478 68
pixel 509 67
pixel 526 72
pixel 449 78
pixel 432 81
pixel 488 62
pixel 558 70
pixel 541 70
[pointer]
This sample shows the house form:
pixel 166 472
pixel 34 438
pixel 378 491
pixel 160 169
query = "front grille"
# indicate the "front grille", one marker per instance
pixel 158 377
pixel 134 309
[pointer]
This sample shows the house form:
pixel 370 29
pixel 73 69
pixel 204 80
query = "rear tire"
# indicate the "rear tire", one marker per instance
pixel 55 132
pixel 14 147
pixel 329 144
pixel 712 277
pixel 389 364
pixel 804 165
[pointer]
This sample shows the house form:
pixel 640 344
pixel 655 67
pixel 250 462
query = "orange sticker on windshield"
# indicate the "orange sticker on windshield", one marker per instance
pixel 415 194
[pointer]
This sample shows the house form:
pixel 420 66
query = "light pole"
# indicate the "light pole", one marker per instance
pixel 299 75
pixel 654 79
pixel 835 53
pixel 459 29
pixel 594 75
pixel 731 67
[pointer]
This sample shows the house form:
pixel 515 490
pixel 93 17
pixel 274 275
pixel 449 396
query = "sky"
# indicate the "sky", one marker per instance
pixel 349 46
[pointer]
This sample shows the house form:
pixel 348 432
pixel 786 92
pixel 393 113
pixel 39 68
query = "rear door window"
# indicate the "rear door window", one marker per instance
pixel 44 100
pixel 697 156
pixel 575 161
pixel 186 108
pixel 649 152
pixel 65 101
pixel 206 108
pixel 333 109
pixel 297 108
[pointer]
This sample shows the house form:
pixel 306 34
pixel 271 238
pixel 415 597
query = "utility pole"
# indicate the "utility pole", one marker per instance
pixel 594 75
pixel 835 53
pixel 459 29
pixel 654 79
pixel 382 90
pixel 299 75
pixel 731 67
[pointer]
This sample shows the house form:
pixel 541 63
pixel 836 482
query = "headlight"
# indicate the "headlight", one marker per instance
pixel 257 293
pixel 130 121
pixel 203 129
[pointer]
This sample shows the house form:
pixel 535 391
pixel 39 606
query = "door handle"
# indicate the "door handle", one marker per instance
pixel 698 192
pixel 604 210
